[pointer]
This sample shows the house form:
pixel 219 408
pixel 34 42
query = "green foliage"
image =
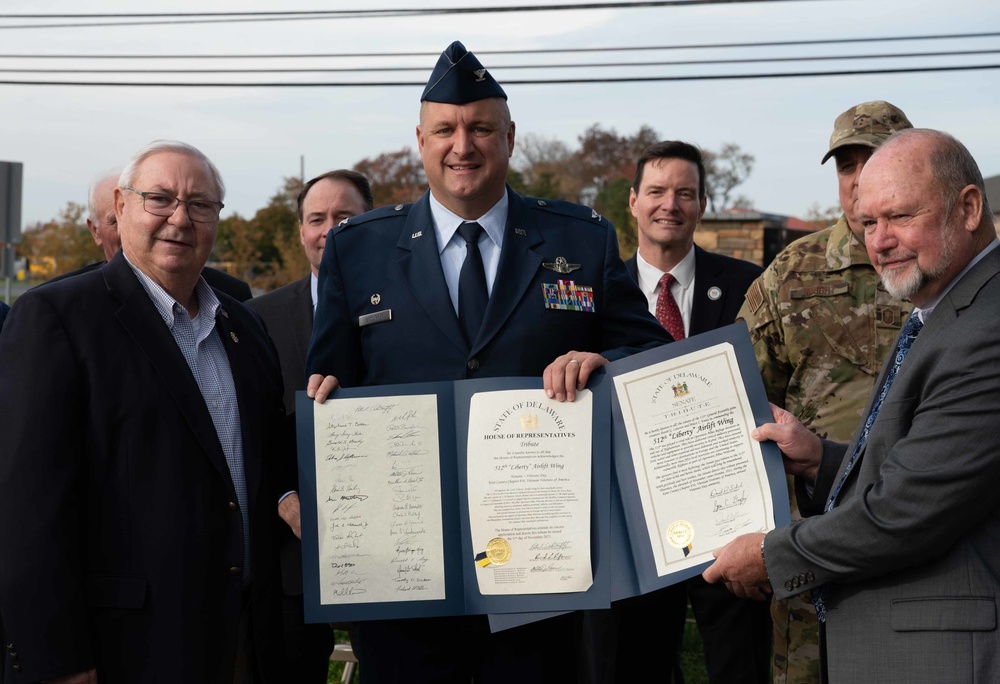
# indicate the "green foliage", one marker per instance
pixel 265 250
pixel 65 239
pixel 612 201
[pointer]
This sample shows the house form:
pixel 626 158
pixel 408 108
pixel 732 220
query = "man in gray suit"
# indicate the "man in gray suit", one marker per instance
pixel 904 561
pixel 323 203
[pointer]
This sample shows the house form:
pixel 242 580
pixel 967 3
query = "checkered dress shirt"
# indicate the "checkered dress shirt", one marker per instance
pixel 202 348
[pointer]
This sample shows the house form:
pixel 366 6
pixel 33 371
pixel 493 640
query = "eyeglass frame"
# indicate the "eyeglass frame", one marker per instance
pixel 178 202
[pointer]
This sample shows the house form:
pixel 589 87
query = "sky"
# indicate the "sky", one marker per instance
pixel 67 135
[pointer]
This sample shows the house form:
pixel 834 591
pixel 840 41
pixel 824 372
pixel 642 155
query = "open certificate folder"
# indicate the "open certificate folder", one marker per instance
pixel 485 497
pixel 453 498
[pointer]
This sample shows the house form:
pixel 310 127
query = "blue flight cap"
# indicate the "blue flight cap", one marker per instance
pixel 460 78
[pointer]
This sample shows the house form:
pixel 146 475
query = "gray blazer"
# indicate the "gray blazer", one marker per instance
pixel 911 553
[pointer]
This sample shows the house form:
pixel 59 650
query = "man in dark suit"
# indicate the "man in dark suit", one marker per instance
pixel 690 291
pixel 323 203
pixel 902 553
pixel 142 420
pixel 103 226
pixel 459 285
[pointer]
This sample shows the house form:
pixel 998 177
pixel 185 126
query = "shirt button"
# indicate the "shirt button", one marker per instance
pixel 473 364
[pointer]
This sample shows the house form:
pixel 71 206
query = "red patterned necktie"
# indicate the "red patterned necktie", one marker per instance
pixel 667 311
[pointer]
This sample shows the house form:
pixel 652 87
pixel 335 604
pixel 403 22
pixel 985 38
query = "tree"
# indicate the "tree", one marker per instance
pixel 822 217
pixel 262 250
pixel 604 155
pixel 724 172
pixel 612 202
pixel 395 177
pixel 546 167
pixel 65 239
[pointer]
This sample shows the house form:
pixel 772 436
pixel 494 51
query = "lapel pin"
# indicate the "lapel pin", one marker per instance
pixel 560 265
pixel 714 293
pixel 225 314
pixel 376 298
pixel 235 338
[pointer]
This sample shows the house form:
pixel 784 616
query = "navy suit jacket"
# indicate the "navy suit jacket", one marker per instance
pixel 732 276
pixel 125 544
pixel 387 261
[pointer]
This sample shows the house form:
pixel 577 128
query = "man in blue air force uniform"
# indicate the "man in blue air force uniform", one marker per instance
pixel 473 281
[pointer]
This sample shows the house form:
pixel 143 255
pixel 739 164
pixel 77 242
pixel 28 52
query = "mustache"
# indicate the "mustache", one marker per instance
pixel 894 255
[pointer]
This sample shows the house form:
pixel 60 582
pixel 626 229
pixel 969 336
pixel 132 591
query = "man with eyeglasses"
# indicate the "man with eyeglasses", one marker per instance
pixel 143 420
pixel 103 226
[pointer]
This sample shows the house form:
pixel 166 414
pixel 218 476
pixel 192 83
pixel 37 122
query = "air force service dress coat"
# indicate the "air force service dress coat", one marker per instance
pixel 911 552
pixel 122 542
pixel 384 314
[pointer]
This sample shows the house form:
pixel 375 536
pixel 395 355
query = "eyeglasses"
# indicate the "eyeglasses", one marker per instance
pixel 158 204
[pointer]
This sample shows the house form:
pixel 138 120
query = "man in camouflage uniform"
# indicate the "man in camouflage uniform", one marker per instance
pixel 821 325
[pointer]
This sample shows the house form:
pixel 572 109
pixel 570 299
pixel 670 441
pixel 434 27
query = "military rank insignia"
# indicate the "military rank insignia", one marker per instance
pixel 568 296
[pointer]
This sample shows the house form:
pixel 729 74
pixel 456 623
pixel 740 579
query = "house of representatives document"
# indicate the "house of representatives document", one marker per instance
pixel 529 491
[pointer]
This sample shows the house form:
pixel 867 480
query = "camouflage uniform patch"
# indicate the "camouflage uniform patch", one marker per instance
pixel 821 333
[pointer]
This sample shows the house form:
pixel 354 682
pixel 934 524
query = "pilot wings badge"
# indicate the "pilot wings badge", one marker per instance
pixel 560 265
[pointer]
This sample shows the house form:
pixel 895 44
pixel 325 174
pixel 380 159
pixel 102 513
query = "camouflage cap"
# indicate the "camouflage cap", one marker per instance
pixel 868 124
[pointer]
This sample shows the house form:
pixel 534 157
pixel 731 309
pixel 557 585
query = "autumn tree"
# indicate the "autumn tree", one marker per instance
pixel 546 168
pixel 726 170
pixel 265 250
pixel 65 239
pixel 395 177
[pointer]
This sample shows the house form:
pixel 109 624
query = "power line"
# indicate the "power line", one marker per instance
pixel 584 65
pixel 351 12
pixel 244 17
pixel 563 81
pixel 537 51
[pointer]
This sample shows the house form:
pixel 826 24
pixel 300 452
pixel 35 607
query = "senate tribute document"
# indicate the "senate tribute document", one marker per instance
pixel 699 477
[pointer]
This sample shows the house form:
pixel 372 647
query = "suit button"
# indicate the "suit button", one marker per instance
pixel 802 577
pixel 810 577
pixel 788 585
pixel 17 668
pixel 232 506
pixel 473 364
pixel 236 570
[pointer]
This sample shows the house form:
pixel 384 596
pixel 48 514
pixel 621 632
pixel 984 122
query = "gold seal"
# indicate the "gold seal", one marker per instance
pixel 680 534
pixel 498 551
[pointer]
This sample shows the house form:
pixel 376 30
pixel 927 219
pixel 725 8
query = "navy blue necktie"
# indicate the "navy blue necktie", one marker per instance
pixel 472 293
pixel 906 337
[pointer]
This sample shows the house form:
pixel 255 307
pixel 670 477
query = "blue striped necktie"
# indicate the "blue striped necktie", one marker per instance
pixel 906 337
